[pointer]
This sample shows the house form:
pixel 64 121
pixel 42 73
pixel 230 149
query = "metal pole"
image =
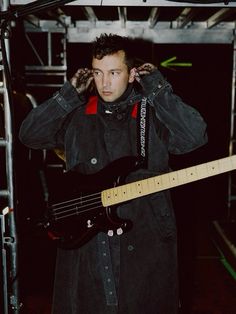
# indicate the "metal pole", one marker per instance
pixel 232 131
pixel 9 237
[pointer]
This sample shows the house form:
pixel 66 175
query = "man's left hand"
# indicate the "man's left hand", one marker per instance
pixel 144 69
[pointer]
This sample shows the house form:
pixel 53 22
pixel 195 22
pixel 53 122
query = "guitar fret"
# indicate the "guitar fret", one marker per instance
pixel 202 171
pixel 116 194
pixel 88 208
pixel 173 178
pixel 152 184
pixel 227 165
pixel 168 180
pixel 157 181
pixel 182 176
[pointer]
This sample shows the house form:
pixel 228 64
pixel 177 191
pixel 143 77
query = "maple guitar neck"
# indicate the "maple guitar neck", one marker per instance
pixel 165 181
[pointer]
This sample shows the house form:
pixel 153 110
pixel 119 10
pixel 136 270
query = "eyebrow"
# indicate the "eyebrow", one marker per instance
pixel 109 70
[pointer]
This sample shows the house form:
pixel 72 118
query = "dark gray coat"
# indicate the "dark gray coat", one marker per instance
pixel 137 271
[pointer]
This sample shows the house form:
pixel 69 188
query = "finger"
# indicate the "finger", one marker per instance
pixel 85 77
pixel 89 81
pixel 82 71
pixel 146 67
pixel 79 71
pixel 137 77
pixel 84 74
pixel 144 72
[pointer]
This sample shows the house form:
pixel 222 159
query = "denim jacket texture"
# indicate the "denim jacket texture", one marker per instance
pixel 180 127
pixel 137 271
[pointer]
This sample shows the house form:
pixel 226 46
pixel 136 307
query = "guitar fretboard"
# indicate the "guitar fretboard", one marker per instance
pixel 165 181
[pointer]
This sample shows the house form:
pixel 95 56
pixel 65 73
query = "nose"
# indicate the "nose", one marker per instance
pixel 106 80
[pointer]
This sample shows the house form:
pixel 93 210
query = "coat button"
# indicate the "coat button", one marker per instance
pixel 119 116
pixel 130 247
pixel 94 161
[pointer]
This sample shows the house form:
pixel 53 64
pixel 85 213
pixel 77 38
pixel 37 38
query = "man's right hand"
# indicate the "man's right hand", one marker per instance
pixel 82 79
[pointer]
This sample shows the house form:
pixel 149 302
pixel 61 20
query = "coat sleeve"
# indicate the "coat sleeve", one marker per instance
pixel 44 127
pixel 183 128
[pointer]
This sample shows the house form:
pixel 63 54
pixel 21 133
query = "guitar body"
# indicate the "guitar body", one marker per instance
pixel 79 214
pixel 77 217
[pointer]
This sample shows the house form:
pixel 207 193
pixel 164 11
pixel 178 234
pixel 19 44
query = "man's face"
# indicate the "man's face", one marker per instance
pixel 111 76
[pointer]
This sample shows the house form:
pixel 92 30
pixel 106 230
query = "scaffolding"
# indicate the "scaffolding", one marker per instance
pixel 48 72
pixel 7 211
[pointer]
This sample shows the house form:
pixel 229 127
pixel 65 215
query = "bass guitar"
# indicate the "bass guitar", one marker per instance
pixel 74 221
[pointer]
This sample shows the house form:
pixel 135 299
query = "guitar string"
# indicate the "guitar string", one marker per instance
pixel 78 198
pixel 77 201
pixel 76 204
pixel 77 207
pixel 84 202
pixel 81 199
pixel 74 213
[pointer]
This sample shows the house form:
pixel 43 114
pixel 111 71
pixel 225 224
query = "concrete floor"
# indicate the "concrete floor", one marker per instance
pixel 206 285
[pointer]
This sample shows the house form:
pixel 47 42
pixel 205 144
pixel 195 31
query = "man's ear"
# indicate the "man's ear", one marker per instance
pixel 132 75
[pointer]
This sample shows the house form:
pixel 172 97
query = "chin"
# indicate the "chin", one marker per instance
pixel 108 98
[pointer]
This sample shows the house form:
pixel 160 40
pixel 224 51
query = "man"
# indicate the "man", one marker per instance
pixel 136 271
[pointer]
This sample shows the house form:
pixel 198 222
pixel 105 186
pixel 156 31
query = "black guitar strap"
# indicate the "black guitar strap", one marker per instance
pixel 143 132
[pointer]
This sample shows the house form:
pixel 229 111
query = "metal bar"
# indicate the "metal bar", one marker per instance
pixel 14 296
pixel 185 17
pixel 49 38
pixel 32 100
pixel 46 68
pixel 150 3
pixel 232 126
pixel 2 89
pixel 157 35
pixel 219 16
pixel 44 85
pixel 90 14
pixel 45 73
pixel 122 12
pixel 4 265
pixel 3 142
pixel 12 301
pixel 64 54
pixel 34 50
pixel 154 14
pixel 4 193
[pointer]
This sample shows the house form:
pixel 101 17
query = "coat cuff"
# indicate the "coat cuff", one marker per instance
pixel 153 84
pixel 68 98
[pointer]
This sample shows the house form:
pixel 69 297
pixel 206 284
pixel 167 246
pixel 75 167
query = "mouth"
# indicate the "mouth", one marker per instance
pixel 106 93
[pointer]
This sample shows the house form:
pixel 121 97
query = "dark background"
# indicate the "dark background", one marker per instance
pixel 207 87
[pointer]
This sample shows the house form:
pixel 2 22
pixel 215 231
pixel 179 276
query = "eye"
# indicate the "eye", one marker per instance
pixel 96 73
pixel 115 73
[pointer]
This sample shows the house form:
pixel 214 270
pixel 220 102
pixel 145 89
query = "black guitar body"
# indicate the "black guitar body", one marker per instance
pixel 78 216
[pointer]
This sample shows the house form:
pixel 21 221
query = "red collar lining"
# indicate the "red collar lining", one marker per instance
pixel 92 107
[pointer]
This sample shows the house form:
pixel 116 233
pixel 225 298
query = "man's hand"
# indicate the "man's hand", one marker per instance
pixel 144 69
pixel 82 79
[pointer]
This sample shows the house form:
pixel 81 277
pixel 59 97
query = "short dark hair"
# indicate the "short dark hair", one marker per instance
pixel 108 44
